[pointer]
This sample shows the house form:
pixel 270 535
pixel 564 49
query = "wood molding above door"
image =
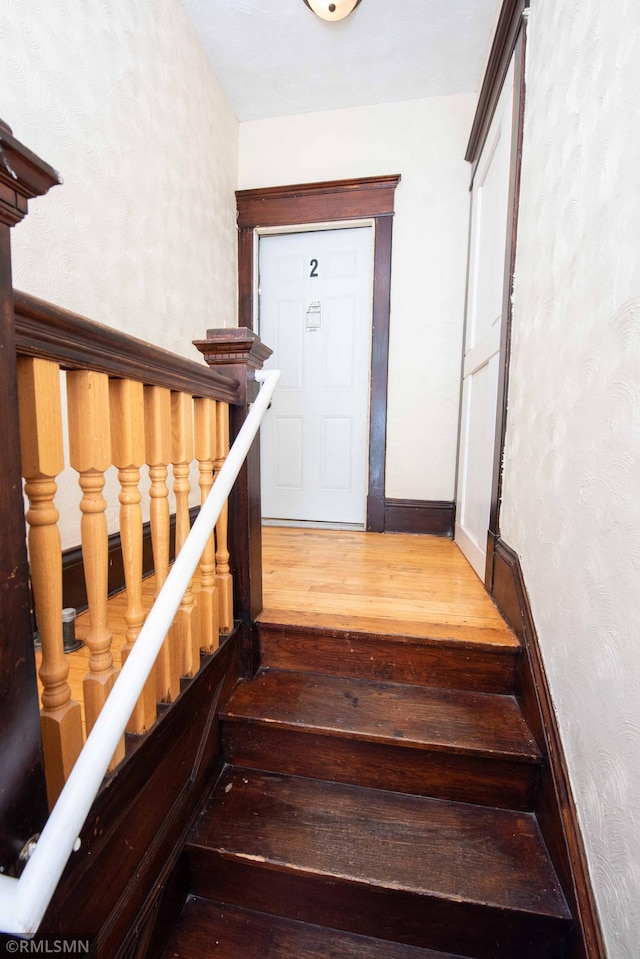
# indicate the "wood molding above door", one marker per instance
pixel 370 198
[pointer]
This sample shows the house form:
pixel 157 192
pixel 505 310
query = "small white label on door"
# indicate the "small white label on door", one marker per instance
pixel 313 317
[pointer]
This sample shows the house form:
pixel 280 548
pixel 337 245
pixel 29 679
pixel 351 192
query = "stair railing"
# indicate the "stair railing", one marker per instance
pixel 128 404
pixel 24 900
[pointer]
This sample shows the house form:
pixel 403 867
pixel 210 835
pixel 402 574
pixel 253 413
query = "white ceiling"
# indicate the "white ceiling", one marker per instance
pixel 275 57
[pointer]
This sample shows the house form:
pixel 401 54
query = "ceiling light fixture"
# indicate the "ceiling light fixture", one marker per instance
pixel 337 10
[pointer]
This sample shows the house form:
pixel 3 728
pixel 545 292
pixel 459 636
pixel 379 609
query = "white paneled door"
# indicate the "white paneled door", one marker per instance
pixel 489 207
pixel 315 313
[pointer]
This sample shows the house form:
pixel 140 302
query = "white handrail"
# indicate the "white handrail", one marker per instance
pixel 24 901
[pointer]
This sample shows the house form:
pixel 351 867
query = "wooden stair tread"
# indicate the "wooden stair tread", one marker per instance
pixel 369 837
pixel 229 932
pixel 438 718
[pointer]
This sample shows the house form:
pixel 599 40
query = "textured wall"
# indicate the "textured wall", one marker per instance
pixel 572 468
pixel 424 141
pixel 119 97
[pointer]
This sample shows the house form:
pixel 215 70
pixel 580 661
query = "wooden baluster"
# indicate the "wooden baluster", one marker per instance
pixel 90 455
pixel 181 456
pixel 157 423
pixel 42 460
pixel 224 580
pixel 126 399
pixel 206 452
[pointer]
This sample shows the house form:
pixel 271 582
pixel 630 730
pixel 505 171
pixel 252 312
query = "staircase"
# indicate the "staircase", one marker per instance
pixel 378 802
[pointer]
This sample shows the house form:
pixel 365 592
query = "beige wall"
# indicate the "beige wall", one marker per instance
pixel 424 141
pixel 120 98
pixel 572 462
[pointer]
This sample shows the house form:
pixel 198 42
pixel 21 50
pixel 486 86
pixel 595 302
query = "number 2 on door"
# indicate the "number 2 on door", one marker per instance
pixel 314 268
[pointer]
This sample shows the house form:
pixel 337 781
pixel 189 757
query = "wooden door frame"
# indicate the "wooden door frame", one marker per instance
pixel 509 41
pixel 321 204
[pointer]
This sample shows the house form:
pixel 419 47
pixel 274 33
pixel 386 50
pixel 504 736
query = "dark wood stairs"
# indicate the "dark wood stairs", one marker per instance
pixel 364 815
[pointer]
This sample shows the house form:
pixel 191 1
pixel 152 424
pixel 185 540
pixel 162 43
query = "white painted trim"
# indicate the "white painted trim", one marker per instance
pixel 476 557
pixel 314 227
pixel 484 351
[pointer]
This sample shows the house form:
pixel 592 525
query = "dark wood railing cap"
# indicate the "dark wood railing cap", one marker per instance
pixel 229 347
pixel 77 343
pixel 23 175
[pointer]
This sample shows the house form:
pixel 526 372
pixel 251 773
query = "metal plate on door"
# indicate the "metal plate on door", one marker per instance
pixel 313 317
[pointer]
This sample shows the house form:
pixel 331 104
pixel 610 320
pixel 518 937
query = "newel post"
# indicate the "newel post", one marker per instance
pixel 239 353
pixel 23 796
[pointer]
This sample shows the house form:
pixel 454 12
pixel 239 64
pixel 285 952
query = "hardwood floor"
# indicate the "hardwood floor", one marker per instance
pixel 397 583
pixel 394 583
pixel 78 661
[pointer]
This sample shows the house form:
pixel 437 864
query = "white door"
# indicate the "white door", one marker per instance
pixel 489 209
pixel 315 314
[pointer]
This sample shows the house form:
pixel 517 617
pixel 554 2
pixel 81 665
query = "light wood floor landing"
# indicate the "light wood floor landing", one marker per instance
pixel 399 584
pixel 394 583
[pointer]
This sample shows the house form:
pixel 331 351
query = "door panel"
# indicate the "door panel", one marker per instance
pixel 288 441
pixel 339 343
pixel 487 250
pixel 315 312
pixel 490 208
pixel 335 448
pixel 287 342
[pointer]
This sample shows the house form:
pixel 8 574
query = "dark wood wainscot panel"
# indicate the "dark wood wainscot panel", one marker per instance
pixel 556 810
pixel 133 836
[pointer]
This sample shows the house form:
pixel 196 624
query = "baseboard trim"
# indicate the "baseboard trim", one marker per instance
pixel 74 590
pixel 430 517
pixel 557 815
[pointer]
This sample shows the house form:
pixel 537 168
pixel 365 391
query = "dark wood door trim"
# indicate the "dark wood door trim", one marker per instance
pixel 504 43
pixel 325 203
pixel 510 41
pixel 507 299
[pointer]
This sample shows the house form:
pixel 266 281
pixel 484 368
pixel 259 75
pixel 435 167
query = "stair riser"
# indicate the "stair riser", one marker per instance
pixel 390 659
pixel 482 780
pixel 386 913
pixel 211 929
